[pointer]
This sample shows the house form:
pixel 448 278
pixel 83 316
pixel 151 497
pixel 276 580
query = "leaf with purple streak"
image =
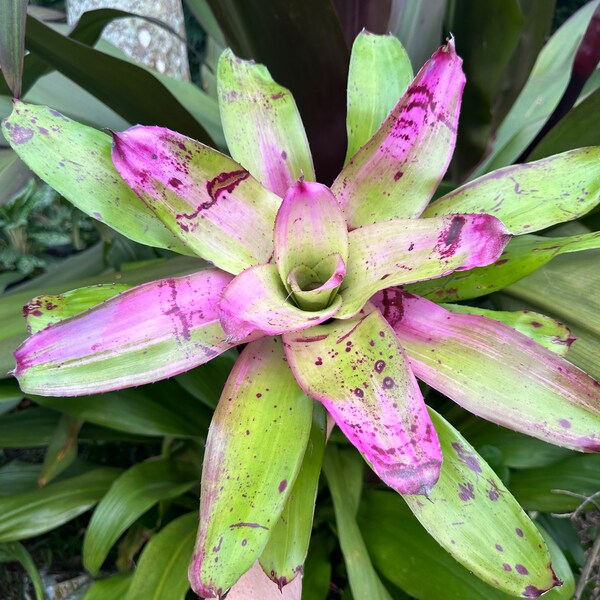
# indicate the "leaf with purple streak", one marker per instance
pixel 496 372
pixel 357 369
pixel 254 452
pixel 407 250
pixel 472 515
pixel 262 126
pixel 209 201
pixel 397 171
pixel 151 332
pixel 256 302
pixel 380 71
pixel 525 197
pixel 75 161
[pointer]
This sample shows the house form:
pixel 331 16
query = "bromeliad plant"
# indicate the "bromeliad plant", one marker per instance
pixel 306 277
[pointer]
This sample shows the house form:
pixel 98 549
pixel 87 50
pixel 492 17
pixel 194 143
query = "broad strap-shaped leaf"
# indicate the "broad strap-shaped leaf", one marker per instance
pixel 151 332
pixel 42 311
pixel 544 330
pixel 357 369
pixel 395 174
pixel 408 250
pixel 208 200
pixel 254 452
pixel 75 161
pixel 262 125
pixel 256 302
pixel 531 196
pixel 496 372
pixel 522 256
pixel 13 16
pixel 379 74
pixel 283 558
pixel 472 515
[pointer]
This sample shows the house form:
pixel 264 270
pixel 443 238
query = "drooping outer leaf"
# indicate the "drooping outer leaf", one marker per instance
pixel 474 517
pixel 12 43
pixel 380 72
pixel 531 196
pixel 495 372
pixel 75 161
pixel 16 551
pixel 408 250
pixel 521 257
pixel 395 174
pixel 257 303
pixel 357 369
pixel 213 204
pixel 150 332
pixel 262 126
pixel 253 454
pixel 283 557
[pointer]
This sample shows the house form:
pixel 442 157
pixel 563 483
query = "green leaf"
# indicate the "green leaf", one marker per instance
pixel 31 428
pixel 130 496
pixel 15 177
pixel 76 161
pixel 317 569
pixel 62 450
pixel 32 513
pixel 364 581
pixel 14 551
pixel 380 72
pixel 112 587
pixel 204 15
pixel 283 557
pixel 12 43
pixel 17 477
pixel 559 487
pixel 161 570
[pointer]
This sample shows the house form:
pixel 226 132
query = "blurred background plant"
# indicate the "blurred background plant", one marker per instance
pixel 135 455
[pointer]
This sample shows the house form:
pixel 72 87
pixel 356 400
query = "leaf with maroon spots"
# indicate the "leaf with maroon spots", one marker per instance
pixel 75 160
pixel 283 558
pixel 526 197
pixel 208 200
pixel 357 369
pixel 262 126
pixel 496 372
pixel 254 452
pixel 150 332
pixel 474 517
pixel 397 171
pixel 408 250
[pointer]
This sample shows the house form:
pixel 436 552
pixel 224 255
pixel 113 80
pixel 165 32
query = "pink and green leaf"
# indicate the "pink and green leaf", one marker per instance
pixel 75 160
pixel 408 250
pixel 254 452
pixel 209 201
pixel 380 71
pixel 472 515
pixel 496 372
pixel 531 196
pixel 256 302
pixel 151 332
pixel 357 369
pixel 262 125
pixel 397 171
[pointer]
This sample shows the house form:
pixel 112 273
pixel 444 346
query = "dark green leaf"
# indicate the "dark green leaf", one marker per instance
pixel 62 450
pixel 17 477
pixel 14 551
pixel 29 428
pixel 12 38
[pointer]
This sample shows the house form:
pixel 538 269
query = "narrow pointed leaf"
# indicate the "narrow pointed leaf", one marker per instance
pixel 531 196
pixel 283 558
pixel 161 569
pixel 42 311
pixel 262 125
pixel 256 302
pixel 209 201
pixel 254 452
pixel 474 517
pixel 15 551
pixel 357 369
pixel 380 72
pixel 75 161
pixel 522 256
pixel 13 16
pixel 407 250
pixel 496 372
pixel 544 330
pixel 150 332
pixel 395 174
pixel 62 450
pixel 131 495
